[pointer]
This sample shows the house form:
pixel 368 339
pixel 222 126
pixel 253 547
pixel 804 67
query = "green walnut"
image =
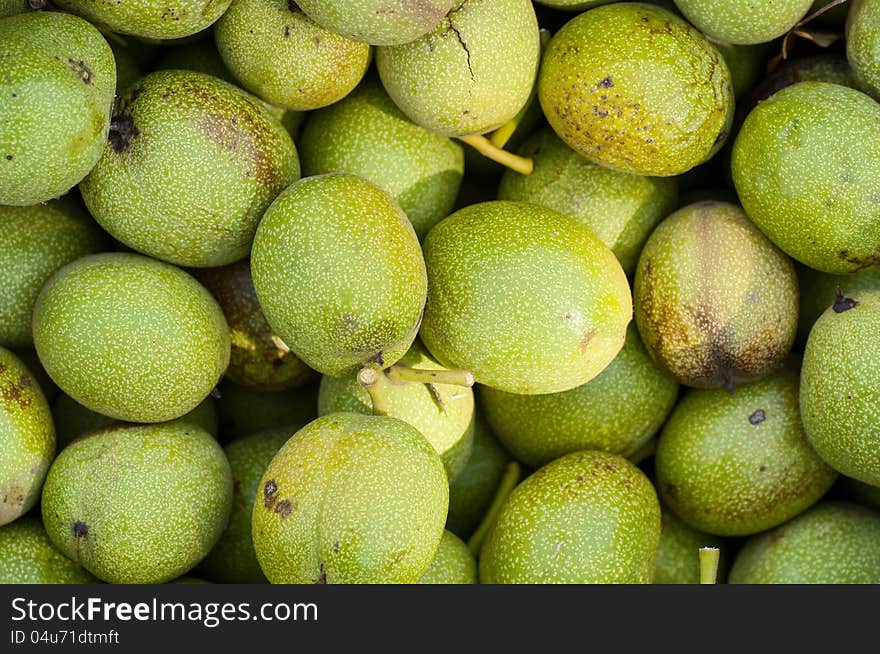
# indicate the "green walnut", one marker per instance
pixel 819 209
pixel 635 88
pixel 351 499
pixel 191 164
pixel 366 134
pixel 36 242
pixel 57 82
pixel 586 518
pixel 832 543
pixel 138 504
pixel 339 273
pixel 840 385
pixel 744 22
pixel 379 22
pixel 735 465
pixel 472 74
pixel 152 19
pixel 27 438
pixel 622 209
pixel 527 299
pixel 715 301
pixel 130 337
pixel 618 411
pixel 276 52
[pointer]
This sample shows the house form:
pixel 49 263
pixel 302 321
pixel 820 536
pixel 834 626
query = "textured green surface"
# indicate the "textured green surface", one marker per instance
pixel 454 563
pixel 130 337
pixel 818 291
pixel 72 419
pixel 366 134
pixel 27 556
pixel 622 209
pixel 744 21
pixel 191 165
pixel 806 165
pixel 472 73
pixel 863 43
pixel 380 22
pixel 351 499
pixel 34 243
pixel 617 412
pixel 833 543
pixel 471 492
pixel 279 54
pixel 840 388
pixel 57 80
pixel 138 504
pixel 258 357
pixel 339 273
pixel 738 464
pixel 637 89
pixel 715 301
pixel 586 518
pixel 529 300
pixel 243 411
pixel 233 560
pixel 155 19
pixel 449 426
pixel 27 438
pixel 678 555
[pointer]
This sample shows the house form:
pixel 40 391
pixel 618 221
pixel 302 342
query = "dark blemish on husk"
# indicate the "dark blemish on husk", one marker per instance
pixel 757 417
pixel 80 70
pixel 293 7
pixel 80 529
pixel 336 547
pixel 283 508
pixel 672 491
pixel 8 157
pixel 269 491
pixel 762 468
pixel 322 574
pixel 286 31
pixel 606 83
pixel 585 340
pixel 13 392
pixel 122 131
pixel 842 303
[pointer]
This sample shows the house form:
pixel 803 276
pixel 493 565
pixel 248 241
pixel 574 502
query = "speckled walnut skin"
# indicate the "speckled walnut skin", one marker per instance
pixel 635 88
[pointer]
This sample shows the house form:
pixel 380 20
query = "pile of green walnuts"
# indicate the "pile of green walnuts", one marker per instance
pixel 440 291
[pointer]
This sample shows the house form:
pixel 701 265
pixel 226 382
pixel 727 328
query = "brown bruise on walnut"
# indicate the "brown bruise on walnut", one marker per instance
pixel 695 336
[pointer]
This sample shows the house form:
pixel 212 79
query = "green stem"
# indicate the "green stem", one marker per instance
pixel 485 147
pixel 508 483
pixel 371 380
pixel 709 565
pixel 401 373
